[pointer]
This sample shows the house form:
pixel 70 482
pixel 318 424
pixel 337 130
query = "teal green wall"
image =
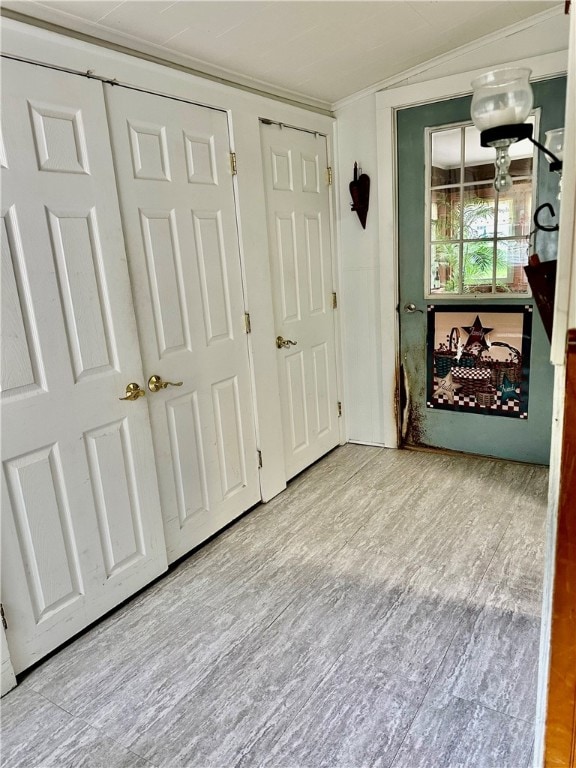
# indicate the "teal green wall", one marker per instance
pixel 516 439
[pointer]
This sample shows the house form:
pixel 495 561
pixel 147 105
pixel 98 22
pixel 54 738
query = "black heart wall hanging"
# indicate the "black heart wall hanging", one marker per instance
pixel 360 191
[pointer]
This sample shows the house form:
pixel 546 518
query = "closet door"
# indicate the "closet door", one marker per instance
pixel 177 201
pixel 298 207
pixel 80 524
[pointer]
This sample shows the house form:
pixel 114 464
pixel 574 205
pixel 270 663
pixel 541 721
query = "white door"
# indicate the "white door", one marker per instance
pixel 175 183
pixel 298 206
pixel 80 524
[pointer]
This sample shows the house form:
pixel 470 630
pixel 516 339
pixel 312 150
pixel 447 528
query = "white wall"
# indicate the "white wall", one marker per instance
pixel 365 132
pixel 360 278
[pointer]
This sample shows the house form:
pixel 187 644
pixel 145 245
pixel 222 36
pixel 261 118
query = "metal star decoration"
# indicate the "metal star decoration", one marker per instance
pixel 476 335
pixel 446 387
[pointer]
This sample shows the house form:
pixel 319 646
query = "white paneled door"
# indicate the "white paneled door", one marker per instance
pixel 175 182
pixel 80 524
pixel 298 206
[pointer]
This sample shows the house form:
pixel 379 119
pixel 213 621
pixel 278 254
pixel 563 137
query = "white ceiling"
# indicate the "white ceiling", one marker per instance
pixel 314 50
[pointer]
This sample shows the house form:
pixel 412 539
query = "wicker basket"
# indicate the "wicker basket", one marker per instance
pixel 486 397
pixel 511 368
pixel 445 355
pixel 467 361
pixel 471 380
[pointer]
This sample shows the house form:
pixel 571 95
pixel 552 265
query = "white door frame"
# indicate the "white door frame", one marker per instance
pixel 387 104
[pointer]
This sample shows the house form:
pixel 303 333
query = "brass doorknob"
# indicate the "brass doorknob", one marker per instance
pixel 280 342
pixel 155 383
pixel 133 392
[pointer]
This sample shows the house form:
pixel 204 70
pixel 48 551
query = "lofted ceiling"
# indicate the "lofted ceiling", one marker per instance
pixel 313 51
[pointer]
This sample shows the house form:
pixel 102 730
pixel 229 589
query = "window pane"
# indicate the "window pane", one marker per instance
pixel 445 268
pixel 478 265
pixel 478 160
pixel 445 214
pixel 521 166
pixel 510 275
pixel 514 210
pixel 522 153
pixel 479 211
pixel 445 165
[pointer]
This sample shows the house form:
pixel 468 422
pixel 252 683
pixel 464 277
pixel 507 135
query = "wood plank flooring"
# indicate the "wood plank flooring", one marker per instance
pixel 382 612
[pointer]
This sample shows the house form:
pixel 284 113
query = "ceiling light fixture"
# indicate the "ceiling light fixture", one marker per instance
pixel 501 102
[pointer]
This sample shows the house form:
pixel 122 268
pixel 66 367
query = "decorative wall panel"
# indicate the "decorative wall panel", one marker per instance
pixel 59 138
pixel 111 461
pixel 200 159
pixel 315 263
pixel 282 178
pixel 46 537
pixel 229 435
pixel 164 266
pixel 149 149
pixel 287 261
pixel 78 257
pixel 183 417
pixel 323 399
pixel 213 271
pixel 21 362
pixel 310 173
pixel 298 412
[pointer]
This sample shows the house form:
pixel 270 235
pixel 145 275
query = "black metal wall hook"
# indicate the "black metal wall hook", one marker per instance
pixel 545 227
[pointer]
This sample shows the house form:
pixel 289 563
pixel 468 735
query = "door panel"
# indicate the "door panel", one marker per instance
pixel 526 439
pixel 80 528
pixel 301 264
pixel 177 200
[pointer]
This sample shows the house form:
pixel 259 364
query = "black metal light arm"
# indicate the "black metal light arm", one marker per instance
pixel 491 137
pixel 556 164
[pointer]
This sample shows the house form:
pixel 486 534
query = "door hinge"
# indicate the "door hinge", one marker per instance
pixel 329 174
pixel 259 459
pixel 233 163
pixel 339 409
pixel 4 622
pixel 247 322
pixel 334 300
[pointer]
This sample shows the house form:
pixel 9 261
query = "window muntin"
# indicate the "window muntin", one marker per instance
pixel 477 238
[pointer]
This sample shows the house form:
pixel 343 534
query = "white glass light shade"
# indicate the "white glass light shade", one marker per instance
pixel 501 97
pixel 555 143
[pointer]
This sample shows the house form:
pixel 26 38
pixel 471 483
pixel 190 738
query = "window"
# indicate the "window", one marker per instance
pixel 477 241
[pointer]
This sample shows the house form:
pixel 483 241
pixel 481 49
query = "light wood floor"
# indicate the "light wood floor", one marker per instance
pixel 383 611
